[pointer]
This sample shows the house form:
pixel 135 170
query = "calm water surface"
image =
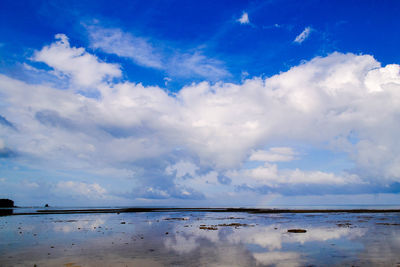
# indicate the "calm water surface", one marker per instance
pixel 200 239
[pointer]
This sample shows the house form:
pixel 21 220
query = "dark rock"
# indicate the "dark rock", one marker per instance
pixel 297 231
pixel 344 225
pixel 6 203
pixel 212 227
pixel 234 224
pixel 175 219
pixel 46 206
pixel 388 223
pixel 5 212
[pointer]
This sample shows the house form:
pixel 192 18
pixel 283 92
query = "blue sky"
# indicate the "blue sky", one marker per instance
pixel 199 103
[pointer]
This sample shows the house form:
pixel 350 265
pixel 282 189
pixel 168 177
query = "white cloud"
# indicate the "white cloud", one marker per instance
pixel 84 69
pixel 218 126
pixel 303 35
pixel 80 189
pixel 274 154
pixel 380 79
pixel 270 175
pixel 244 19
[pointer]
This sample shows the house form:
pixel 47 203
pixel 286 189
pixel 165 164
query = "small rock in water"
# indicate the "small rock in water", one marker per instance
pixel 344 224
pixel 212 227
pixel 297 231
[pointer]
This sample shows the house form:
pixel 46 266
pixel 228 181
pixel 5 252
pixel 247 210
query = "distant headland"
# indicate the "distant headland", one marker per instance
pixel 6 203
pixel 6 206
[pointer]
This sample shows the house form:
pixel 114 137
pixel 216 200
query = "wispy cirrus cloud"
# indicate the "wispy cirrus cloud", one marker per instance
pixel 115 41
pixel 303 35
pixel 143 52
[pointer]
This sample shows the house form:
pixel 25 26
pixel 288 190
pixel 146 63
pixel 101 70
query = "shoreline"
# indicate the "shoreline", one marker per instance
pixel 9 212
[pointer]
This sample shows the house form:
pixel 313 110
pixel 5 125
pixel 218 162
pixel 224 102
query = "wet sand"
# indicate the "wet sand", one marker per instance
pixel 201 237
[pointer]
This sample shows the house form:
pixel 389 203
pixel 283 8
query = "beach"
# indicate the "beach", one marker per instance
pixel 201 237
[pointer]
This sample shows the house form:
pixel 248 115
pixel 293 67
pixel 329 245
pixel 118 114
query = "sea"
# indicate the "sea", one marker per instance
pixel 198 238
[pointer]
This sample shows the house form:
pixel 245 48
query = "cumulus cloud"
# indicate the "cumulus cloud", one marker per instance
pixel 303 35
pixel 84 69
pixel 244 19
pixel 80 189
pixel 270 175
pixel 180 145
pixel 141 51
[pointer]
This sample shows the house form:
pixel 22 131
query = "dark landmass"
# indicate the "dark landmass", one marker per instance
pixel 6 212
pixel 297 231
pixel 6 203
pixel 243 210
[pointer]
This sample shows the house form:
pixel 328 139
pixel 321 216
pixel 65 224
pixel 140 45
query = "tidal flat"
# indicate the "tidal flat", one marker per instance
pixel 201 238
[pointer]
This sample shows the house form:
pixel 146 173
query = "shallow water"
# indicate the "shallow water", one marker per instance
pixel 176 239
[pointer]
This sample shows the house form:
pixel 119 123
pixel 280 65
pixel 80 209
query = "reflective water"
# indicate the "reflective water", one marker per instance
pixel 200 239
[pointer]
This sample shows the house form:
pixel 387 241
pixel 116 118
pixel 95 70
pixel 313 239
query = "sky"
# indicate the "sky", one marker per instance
pixel 200 103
